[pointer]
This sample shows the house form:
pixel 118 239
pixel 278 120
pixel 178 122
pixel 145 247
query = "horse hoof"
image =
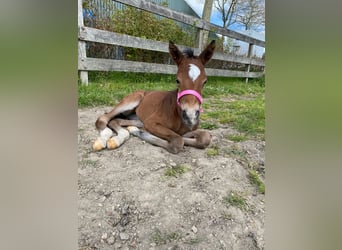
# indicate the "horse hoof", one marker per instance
pixel 98 145
pixel 112 144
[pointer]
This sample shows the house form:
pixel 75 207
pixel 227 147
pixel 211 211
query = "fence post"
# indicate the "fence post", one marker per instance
pixel 249 55
pixel 207 8
pixel 82 52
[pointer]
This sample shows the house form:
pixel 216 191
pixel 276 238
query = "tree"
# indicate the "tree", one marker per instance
pixel 227 9
pixel 251 14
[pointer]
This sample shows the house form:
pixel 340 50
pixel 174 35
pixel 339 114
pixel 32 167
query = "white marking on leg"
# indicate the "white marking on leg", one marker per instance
pixel 194 72
pixel 119 139
pixel 105 135
pixel 101 141
pixel 133 130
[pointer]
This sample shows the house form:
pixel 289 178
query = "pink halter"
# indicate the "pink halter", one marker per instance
pixel 190 92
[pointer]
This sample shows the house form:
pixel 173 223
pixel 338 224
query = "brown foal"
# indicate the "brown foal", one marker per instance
pixel 168 119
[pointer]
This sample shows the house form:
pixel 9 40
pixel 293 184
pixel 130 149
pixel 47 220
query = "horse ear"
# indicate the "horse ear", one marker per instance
pixel 206 54
pixel 176 54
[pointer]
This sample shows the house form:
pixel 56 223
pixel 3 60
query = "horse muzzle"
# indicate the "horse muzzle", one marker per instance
pixel 190 117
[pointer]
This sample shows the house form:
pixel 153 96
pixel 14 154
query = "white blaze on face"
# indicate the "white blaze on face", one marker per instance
pixel 194 72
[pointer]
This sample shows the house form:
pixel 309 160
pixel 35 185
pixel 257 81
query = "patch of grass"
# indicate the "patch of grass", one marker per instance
pixel 160 238
pixel 222 86
pixel 237 152
pixel 176 171
pixel 89 163
pixel 236 200
pixel 173 236
pixel 255 179
pixel 192 241
pixel 208 125
pixel 113 86
pixel 248 116
pixel 227 216
pixel 213 151
pixel 237 138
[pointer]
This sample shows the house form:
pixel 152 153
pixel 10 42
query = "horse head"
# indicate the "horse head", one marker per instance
pixel 191 78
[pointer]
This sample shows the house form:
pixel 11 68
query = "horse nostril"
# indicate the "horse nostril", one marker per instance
pixel 184 115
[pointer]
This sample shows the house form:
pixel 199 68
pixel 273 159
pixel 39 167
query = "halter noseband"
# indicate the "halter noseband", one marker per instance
pixel 190 92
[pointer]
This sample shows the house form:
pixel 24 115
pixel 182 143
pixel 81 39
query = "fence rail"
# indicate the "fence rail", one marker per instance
pixel 87 34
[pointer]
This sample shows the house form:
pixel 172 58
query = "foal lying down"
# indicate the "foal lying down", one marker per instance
pixel 167 119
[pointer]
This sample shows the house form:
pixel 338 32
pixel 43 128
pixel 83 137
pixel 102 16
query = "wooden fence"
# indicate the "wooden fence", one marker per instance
pixel 87 34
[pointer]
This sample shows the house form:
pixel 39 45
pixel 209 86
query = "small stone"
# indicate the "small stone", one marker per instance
pixel 104 236
pixel 172 185
pixel 124 236
pixel 194 229
pixel 172 164
pixel 163 165
pixel 124 210
pixel 111 240
pixel 117 245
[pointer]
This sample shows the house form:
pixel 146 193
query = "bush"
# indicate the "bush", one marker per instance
pixel 139 23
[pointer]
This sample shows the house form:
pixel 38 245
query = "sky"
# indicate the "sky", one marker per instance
pixel 197 6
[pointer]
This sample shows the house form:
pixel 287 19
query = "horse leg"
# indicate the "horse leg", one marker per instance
pixel 197 138
pixel 127 105
pixel 146 136
pixel 122 133
pixel 168 139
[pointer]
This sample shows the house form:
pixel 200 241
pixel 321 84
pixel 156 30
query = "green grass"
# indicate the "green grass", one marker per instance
pixel 192 241
pixel 89 163
pixel 160 238
pixel 223 86
pixel 112 87
pixel 237 152
pixel 208 125
pixel 236 200
pixel 213 151
pixel 255 179
pixel 176 171
pixel 237 137
pixel 247 116
pixel 228 101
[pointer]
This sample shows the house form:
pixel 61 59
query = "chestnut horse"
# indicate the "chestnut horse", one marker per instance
pixel 167 119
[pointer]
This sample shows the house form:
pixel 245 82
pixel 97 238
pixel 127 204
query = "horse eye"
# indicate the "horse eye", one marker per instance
pixel 177 81
pixel 205 82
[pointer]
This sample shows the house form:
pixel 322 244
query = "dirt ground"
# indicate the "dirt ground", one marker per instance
pixel 126 201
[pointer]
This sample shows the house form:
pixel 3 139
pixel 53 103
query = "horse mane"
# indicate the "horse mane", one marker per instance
pixel 189 53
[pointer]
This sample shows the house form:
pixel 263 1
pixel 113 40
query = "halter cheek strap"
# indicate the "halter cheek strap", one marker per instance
pixel 190 92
